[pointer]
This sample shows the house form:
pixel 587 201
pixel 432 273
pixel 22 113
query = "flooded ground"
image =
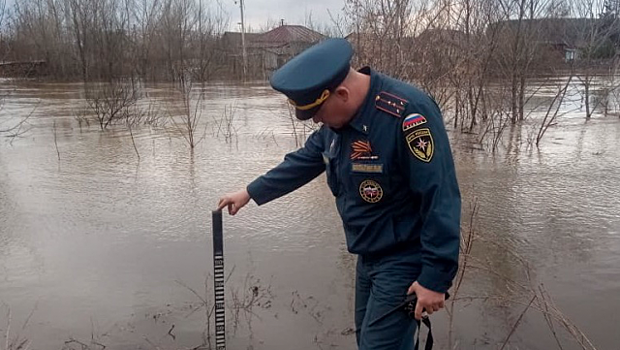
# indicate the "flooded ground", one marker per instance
pixel 101 247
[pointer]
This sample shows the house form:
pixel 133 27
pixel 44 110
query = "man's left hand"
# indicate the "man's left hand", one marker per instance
pixel 428 300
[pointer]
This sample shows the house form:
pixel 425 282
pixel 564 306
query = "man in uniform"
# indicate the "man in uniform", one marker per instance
pixel 388 162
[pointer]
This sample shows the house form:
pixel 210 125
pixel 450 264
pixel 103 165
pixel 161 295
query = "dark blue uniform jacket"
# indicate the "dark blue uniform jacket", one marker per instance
pixel 392 173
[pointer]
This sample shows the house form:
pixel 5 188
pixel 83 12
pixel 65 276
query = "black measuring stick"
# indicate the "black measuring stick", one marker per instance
pixel 218 281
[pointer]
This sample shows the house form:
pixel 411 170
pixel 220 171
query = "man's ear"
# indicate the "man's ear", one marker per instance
pixel 343 93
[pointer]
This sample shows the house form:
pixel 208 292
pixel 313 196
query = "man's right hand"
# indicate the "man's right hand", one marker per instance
pixel 234 201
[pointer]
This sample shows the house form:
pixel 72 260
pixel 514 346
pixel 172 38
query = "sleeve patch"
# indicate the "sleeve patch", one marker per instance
pixel 413 120
pixel 390 104
pixel 421 144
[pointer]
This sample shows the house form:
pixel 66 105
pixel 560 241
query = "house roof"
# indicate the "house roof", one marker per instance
pixel 289 33
pixel 234 38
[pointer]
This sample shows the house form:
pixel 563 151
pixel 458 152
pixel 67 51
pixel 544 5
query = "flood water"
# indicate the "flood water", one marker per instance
pixel 101 247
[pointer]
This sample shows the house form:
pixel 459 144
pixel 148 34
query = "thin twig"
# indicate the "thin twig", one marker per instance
pixel 514 327
pixel 56 141
pixel 133 141
pixel 8 330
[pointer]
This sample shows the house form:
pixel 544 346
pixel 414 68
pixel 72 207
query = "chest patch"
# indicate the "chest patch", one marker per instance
pixel 367 168
pixel 390 104
pixel 371 191
pixel 361 150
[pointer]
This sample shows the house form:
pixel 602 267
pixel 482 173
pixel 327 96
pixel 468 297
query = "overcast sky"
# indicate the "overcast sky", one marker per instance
pixel 259 12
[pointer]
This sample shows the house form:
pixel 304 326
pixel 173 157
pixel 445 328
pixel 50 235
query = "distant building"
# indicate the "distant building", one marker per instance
pixel 556 39
pixel 231 41
pixel 381 52
pixel 268 51
pixel 440 42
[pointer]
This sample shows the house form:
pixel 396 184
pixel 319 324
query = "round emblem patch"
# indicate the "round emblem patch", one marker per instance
pixel 371 191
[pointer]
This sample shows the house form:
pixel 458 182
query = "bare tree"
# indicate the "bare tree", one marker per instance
pixel 599 49
pixel 99 40
pixel 553 110
pixel 112 102
pixel 380 30
pixel 187 120
pixel 211 22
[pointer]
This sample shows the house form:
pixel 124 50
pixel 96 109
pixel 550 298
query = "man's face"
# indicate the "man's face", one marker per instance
pixel 334 112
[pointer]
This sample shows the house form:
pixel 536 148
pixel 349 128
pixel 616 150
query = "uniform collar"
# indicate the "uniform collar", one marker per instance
pixel 362 121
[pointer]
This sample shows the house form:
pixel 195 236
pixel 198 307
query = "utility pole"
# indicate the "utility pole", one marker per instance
pixel 245 56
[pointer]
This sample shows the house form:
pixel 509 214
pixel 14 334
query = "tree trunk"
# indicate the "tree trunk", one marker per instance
pixel 522 96
pixel 513 98
pixel 587 97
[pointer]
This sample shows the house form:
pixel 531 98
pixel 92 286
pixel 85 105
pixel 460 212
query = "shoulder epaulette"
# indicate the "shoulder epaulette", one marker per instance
pixel 391 104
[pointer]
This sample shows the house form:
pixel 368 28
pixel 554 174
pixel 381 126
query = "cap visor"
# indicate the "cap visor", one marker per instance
pixel 307 114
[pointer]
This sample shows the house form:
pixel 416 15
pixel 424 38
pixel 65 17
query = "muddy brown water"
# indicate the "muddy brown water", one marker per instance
pixel 104 248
